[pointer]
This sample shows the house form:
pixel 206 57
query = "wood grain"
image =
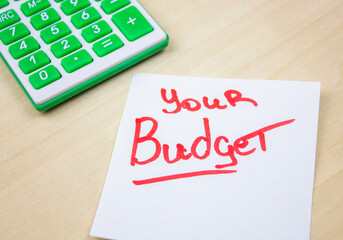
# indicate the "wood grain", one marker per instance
pixel 53 165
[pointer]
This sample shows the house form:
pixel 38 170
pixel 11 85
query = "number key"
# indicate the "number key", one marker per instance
pixel 45 18
pixel 85 17
pixel 65 46
pixel 55 32
pixel 72 6
pixel 14 33
pixel 34 62
pixel 44 77
pixel 96 31
pixel 23 47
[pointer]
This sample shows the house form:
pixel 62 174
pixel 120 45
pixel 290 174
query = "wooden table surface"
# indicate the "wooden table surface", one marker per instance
pixel 53 165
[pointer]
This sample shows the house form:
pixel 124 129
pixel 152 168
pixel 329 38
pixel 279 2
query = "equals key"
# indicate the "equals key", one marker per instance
pixel 107 45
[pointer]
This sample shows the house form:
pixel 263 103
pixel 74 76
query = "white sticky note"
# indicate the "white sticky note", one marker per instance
pixel 201 158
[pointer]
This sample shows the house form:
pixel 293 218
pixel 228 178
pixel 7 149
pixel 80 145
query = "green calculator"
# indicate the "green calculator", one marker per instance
pixel 58 48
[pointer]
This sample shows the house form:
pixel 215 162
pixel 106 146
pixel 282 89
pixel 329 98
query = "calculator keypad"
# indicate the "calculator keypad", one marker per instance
pixel 51 39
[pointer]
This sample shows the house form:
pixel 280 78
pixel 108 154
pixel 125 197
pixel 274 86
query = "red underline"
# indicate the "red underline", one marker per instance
pixel 181 175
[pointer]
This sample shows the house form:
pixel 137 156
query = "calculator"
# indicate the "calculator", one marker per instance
pixel 56 49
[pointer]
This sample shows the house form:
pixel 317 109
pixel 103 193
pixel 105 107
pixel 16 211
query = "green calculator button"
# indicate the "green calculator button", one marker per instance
pixel 72 6
pixel 76 61
pixel 3 3
pixel 45 18
pixel 107 45
pixel 85 17
pixel 65 46
pixel 132 23
pixel 34 62
pixel 96 31
pixel 110 6
pixel 14 33
pixel 23 47
pixel 8 18
pixel 34 6
pixel 55 32
pixel 44 77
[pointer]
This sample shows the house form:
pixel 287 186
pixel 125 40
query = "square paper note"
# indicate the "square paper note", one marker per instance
pixel 199 158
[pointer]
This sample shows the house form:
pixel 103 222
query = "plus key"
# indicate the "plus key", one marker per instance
pixel 132 23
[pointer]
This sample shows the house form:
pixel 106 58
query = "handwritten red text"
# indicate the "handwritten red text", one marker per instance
pixel 238 147
pixel 192 105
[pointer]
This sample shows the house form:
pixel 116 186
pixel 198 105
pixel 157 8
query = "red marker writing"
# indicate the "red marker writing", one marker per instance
pixel 232 96
pixel 238 147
